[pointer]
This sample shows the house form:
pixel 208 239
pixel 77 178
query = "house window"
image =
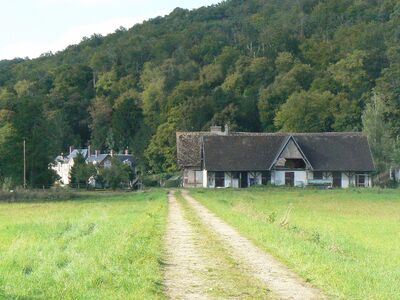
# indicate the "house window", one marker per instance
pixel 219 179
pixel 361 180
pixel 253 179
pixel 265 177
pixel 318 175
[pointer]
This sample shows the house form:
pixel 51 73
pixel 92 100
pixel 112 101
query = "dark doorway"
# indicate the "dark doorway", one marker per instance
pixel 337 179
pixel 243 180
pixel 219 179
pixel 265 177
pixel 289 178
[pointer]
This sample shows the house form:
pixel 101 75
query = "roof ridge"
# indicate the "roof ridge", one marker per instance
pixel 243 133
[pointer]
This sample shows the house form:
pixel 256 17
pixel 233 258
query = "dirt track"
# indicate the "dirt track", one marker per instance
pixel 186 266
pixel 184 261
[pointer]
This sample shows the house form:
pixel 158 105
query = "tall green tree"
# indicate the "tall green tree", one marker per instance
pixel 81 172
pixel 305 112
pixel 378 132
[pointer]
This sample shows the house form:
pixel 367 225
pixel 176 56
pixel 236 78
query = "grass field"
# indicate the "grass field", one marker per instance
pixel 345 242
pixel 109 247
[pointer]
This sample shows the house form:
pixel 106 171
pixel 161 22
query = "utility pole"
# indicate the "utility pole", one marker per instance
pixel 24 164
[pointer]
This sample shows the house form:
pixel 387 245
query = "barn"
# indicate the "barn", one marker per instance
pixel 218 159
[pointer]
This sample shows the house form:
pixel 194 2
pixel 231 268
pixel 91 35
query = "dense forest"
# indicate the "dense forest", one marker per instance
pixel 258 65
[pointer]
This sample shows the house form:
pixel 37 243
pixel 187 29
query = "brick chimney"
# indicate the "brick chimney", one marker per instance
pixel 89 152
pixel 112 153
pixel 71 148
pixel 96 152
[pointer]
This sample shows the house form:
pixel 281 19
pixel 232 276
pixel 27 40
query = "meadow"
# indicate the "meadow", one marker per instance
pixel 345 242
pixel 100 248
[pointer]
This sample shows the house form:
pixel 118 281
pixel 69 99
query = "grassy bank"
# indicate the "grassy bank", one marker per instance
pixel 345 242
pixel 103 248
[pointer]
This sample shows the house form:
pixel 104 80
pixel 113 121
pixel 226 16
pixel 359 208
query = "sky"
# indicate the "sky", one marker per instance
pixel 29 28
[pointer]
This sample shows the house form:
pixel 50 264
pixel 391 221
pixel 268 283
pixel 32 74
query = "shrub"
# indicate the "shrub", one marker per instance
pixel 173 183
pixel 150 181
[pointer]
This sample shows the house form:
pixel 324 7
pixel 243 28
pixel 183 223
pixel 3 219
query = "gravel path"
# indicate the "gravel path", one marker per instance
pixel 184 262
pixel 283 282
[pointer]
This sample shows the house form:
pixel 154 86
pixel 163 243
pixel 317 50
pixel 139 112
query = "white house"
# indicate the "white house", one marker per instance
pixel 236 159
pixel 62 165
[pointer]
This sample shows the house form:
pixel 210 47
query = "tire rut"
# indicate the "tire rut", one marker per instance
pixel 283 282
pixel 183 262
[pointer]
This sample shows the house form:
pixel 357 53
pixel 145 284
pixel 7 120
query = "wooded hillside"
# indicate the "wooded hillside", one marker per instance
pixel 259 65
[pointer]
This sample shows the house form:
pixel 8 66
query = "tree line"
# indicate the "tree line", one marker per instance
pixel 258 65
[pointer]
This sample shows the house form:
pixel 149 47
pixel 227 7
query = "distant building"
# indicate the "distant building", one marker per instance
pixel 62 165
pixel 237 159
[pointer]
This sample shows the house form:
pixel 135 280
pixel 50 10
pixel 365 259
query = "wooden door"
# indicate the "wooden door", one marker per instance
pixel 289 178
pixel 244 180
pixel 337 179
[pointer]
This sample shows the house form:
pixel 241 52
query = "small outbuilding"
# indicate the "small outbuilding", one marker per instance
pixel 239 159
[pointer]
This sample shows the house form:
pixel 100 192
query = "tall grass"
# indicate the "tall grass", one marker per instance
pixel 107 248
pixel 345 242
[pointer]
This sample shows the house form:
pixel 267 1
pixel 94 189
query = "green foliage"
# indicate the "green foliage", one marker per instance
pixel 239 62
pixel 161 153
pixel 117 175
pixel 378 132
pixel 81 172
pixel 305 112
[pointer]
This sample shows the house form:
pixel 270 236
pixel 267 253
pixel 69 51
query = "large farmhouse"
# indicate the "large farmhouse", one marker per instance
pixel 236 159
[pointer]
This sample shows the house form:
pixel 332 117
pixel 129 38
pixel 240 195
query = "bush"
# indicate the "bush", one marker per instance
pixel 172 183
pixel 168 180
pixel 150 181
pixel 7 184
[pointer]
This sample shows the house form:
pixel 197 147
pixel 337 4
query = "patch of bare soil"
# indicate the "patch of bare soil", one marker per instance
pixel 283 282
pixel 184 262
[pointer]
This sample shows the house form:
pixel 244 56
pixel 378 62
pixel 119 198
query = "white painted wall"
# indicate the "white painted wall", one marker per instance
pixel 278 177
pixel 199 178
pixel 205 178
pixel 227 179
pixel 211 179
pixel 63 170
pixel 235 183
pixel 300 178
pixel 257 176
pixel 272 177
pixel 345 181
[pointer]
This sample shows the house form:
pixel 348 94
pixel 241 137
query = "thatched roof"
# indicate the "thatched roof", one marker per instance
pixel 257 151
